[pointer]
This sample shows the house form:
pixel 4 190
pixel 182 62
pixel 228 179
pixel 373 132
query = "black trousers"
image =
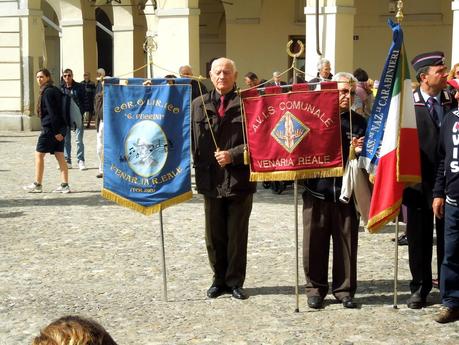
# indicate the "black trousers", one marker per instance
pixel 227 228
pixel 322 220
pixel 419 230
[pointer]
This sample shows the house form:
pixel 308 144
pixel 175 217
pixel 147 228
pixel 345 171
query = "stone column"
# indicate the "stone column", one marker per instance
pixel 21 55
pixel 123 50
pixel 455 38
pixel 73 46
pixel 180 45
pixel 336 31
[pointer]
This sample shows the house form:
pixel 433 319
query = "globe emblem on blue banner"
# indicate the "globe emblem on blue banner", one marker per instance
pixel 146 148
pixel 289 131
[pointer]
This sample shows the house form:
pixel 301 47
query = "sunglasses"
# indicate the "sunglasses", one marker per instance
pixel 66 75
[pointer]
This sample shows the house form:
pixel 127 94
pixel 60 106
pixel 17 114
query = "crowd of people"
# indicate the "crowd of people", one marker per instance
pixel 223 177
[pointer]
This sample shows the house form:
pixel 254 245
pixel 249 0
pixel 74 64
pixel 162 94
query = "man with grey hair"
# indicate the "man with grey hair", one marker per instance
pixel 324 216
pixel 277 79
pixel 323 71
pixel 323 74
pixel 196 86
pixel 223 179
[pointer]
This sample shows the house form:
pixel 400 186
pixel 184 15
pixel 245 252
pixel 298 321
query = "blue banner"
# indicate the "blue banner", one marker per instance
pixel 147 143
pixel 376 123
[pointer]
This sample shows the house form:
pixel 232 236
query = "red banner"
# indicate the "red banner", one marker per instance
pixel 293 135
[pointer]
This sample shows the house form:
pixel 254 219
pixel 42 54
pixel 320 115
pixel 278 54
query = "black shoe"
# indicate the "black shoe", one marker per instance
pixel 215 291
pixel 416 301
pixel 239 293
pixel 348 302
pixel 315 302
pixel 402 240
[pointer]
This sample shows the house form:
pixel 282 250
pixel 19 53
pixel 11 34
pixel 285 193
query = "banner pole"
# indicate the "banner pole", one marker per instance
pixel 396 263
pixel 399 18
pixel 295 184
pixel 297 295
pixel 163 255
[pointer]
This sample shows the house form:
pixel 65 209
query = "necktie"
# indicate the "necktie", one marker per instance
pixel 221 107
pixel 431 101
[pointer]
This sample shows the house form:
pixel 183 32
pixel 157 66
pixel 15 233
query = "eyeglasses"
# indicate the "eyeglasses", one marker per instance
pixel 345 92
pixel 66 75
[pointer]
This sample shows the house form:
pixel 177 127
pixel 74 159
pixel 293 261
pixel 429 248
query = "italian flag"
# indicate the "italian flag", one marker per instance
pixel 399 161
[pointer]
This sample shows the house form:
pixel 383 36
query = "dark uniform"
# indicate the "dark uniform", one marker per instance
pixel 447 188
pixel 227 191
pixel 418 199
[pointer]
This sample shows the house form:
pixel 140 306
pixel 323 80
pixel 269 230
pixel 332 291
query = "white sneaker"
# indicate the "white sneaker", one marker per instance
pixel 69 165
pixel 33 188
pixel 62 189
pixel 81 166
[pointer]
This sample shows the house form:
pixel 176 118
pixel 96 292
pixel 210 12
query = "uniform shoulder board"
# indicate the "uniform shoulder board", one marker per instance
pixel 447 96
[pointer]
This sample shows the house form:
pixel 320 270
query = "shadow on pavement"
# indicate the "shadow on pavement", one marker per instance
pixel 91 200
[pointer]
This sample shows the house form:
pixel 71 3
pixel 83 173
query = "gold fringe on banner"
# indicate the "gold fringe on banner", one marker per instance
pixel 375 223
pixel 296 175
pixel 410 179
pixel 107 194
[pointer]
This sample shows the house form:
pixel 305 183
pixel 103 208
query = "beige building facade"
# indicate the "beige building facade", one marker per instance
pixel 86 34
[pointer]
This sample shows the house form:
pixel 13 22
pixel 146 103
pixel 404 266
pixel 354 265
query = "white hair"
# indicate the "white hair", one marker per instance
pixel 321 62
pixel 185 67
pixel 340 76
pixel 101 71
pixel 231 62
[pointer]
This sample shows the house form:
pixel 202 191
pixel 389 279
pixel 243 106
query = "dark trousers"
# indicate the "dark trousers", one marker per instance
pixel 419 230
pixel 227 228
pixel 449 279
pixel 322 220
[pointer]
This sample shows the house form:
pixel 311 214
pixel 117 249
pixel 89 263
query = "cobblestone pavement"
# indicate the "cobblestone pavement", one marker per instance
pixel 80 254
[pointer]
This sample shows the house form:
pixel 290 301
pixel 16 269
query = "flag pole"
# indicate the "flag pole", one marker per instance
pixel 295 184
pixel 149 46
pixel 396 263
pixel 399 18
pixel 163 255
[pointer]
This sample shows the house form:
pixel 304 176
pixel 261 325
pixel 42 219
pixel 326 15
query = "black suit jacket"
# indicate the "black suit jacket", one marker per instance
pixel 420 195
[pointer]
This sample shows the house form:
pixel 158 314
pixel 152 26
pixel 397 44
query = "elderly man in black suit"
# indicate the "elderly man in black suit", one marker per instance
pixel 223 179
pixel 432 102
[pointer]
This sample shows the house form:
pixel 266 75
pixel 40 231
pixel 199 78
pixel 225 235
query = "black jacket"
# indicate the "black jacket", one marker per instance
pixel 51 118
pixel 447 177
pixel 329 188
pixel 89 91
pixel 211 179
pixel 76 91
pixel 420 195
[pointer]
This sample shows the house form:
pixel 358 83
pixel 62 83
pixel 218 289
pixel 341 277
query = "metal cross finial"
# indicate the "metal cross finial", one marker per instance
pixel 399 15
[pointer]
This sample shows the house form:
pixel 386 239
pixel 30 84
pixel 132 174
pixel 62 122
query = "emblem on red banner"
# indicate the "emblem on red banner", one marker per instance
pixel 293 135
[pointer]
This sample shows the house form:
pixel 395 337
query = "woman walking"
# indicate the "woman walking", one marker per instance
pixel 53 129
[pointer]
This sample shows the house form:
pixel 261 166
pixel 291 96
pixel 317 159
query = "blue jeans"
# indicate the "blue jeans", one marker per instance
pixel 449 278
pixel 79 143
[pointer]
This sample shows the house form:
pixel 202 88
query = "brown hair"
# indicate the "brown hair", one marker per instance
pixel 73 330
pixel 47 74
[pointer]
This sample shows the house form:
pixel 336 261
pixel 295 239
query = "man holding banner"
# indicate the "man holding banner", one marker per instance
pixel 324 216
pixel 223 179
